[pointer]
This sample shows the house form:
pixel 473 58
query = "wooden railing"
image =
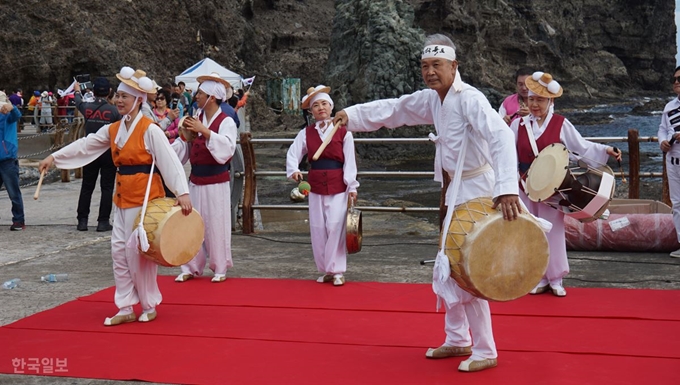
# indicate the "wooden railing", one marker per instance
pixel 250 174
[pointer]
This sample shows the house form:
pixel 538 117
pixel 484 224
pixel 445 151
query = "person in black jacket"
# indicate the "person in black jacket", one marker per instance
pixel 97 114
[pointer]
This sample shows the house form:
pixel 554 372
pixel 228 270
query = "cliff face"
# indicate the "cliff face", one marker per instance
pixel 596 49
pixel 363 49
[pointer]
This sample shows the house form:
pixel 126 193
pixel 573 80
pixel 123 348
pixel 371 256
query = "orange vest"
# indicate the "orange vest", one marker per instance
pixel 130 189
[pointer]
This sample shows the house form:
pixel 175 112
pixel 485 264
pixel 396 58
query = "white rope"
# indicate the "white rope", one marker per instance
pixel 138 237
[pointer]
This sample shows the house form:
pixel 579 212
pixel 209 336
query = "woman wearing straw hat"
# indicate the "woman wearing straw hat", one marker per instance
pixel 548 128
pixel 333 178
pixel 137 144
pixel 210 153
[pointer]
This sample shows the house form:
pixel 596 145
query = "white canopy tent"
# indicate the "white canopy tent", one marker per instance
pixel 206 67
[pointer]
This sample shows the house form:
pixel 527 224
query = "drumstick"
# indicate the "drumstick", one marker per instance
pixel 37 189
pixel 325 143
pixel 623 177
pixel 423 262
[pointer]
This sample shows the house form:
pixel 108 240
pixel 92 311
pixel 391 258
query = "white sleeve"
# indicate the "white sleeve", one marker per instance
pixel 501 111
pixel 166 160
pixel 408 110
pixel 181 148
pixel 84 150
pixel 488 125
pixel 222 144
pixel 349 169
pixel 571 138
pixel 665 131
pixel 295 153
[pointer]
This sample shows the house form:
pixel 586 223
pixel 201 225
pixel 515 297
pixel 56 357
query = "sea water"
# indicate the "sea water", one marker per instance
pixel 621 120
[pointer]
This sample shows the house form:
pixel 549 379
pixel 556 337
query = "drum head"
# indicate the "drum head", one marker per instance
pixel 492 258
pixel 547 172
pixel 174 239
pixel 181 237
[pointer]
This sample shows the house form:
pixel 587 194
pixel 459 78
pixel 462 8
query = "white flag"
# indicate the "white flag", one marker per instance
pixel 249 81
pixel 68 91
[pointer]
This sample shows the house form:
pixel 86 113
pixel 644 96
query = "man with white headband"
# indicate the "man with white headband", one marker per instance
pixel 210 154
pixel 533 133
pixel 138 146
pixel 333 179
pixel 469 131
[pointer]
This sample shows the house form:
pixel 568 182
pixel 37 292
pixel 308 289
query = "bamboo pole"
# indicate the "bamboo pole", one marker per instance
pixel 249 183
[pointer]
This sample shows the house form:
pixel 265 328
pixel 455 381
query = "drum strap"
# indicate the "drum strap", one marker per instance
pixel 530 133
pixel 138 238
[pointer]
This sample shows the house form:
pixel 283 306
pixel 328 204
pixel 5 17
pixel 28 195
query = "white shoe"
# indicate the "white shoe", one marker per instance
pixel 338 280
pixel 448 351
pixel 325 278
pixel 184 277
pixel 471 365
pixel 542 287
pixel 119 319
pixel 147 317
pixel 676 254
pixel 558 290
pixel 219 278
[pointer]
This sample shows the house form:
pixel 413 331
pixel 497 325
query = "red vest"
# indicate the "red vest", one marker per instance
pixel 525 155
pixel 131 188
pixel 204 168
pixel 326 176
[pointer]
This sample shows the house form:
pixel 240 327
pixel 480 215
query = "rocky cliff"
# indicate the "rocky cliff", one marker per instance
pixel 363 49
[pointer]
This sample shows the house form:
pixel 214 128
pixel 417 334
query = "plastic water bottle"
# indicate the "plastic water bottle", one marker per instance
pixel 11 284
pixel 54 277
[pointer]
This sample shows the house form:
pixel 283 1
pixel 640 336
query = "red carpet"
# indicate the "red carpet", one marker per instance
pixel 263 331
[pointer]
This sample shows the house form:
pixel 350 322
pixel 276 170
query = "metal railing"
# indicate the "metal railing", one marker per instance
pixel 251 173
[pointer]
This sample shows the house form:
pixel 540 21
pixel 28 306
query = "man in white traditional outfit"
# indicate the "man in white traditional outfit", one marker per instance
pixel 138 146
pixel 469 133
pixel 210 153
pixel 333 179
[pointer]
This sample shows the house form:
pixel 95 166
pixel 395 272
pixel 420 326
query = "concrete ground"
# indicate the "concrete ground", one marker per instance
pixel 393 246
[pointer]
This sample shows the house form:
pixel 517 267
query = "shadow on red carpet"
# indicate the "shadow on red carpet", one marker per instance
pixel 256 331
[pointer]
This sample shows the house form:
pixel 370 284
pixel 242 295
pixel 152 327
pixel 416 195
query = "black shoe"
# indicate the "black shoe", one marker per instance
pixel 104 226
pixel 82 225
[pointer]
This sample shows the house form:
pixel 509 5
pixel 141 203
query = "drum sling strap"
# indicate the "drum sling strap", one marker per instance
pixel 138 238
pixel 441 273
pixel 532 141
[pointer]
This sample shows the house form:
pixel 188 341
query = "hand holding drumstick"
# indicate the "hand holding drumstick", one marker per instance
pixel 43 166
pixel 616 153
